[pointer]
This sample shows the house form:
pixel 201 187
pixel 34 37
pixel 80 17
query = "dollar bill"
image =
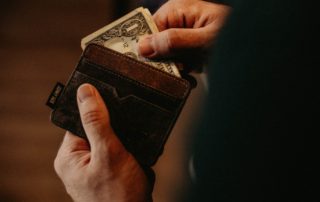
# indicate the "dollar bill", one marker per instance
pixel 123 36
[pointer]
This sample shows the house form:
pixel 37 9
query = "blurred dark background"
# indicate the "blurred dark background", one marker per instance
pixel 40 45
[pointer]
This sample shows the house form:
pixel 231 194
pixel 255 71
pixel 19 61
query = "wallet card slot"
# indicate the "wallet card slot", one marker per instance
pixel 116 97
pixel 125 85
pixel 150 127
pixel 144 73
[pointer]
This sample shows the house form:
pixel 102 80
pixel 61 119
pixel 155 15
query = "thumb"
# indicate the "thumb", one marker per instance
pixel 172 41
pixel 95 120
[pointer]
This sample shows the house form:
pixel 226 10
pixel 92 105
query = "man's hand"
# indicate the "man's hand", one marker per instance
pixel 102 170
pixel 184 25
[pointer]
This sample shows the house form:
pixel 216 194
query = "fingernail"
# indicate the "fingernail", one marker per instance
pixel 145 46
pixel 85 91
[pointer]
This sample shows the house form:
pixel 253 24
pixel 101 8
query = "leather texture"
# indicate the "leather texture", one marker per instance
pixel 143 102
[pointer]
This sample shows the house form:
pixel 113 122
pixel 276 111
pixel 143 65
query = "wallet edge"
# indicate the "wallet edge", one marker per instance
pixel 156 79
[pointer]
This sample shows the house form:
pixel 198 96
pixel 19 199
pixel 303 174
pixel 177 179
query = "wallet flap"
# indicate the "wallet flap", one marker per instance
pixel 137 70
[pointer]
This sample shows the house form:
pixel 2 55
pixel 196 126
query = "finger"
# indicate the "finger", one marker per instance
pixel 175 15
pixel 172 18
pixel 95 120
pixel 71 144
pixel 161 20
pixel 169 42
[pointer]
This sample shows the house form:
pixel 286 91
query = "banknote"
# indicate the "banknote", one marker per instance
pixel 124 34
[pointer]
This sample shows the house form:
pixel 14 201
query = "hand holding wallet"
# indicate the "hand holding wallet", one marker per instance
pixel 143 102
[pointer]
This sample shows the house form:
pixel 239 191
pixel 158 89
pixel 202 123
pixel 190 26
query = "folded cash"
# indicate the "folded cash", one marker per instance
pixel 123 36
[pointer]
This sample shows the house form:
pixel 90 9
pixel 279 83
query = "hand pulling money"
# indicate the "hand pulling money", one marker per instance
pixel 123 36
pixel 143 103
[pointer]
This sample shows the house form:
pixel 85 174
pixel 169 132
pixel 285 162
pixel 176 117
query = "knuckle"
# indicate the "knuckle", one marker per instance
pixel 161 22
pixel 92 117
pixel 180 12
pixel 171 39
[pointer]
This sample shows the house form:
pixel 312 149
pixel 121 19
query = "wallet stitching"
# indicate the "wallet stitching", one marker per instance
pixel 146 66
pixel 133 81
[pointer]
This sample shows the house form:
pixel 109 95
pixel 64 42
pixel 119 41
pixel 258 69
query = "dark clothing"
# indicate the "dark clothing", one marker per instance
pixel 258 140
pixel 152 5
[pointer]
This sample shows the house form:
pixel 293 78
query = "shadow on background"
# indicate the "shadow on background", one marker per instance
pixel 39 45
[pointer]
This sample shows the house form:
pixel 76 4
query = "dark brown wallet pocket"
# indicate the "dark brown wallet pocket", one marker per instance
pixel 142 113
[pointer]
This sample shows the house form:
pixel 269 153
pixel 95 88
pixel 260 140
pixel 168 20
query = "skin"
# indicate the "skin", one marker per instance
pixel 101 169
pixel 185 26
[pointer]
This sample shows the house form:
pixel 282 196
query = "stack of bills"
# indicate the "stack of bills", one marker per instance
pixel 123 36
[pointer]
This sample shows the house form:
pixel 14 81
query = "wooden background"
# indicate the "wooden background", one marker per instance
pixel 39 45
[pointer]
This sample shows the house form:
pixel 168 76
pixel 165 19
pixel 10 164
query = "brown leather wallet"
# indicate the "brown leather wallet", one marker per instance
pixel 143 102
